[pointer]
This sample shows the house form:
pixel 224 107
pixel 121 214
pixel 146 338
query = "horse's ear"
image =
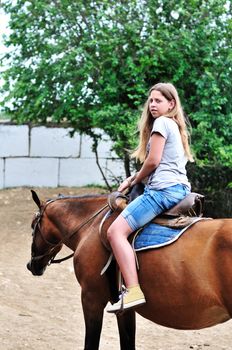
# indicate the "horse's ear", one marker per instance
pixel 36 199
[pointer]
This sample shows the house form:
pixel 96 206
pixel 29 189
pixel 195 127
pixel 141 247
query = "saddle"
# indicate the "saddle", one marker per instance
pixel 183 213
pixel 180 216
pixel 191 205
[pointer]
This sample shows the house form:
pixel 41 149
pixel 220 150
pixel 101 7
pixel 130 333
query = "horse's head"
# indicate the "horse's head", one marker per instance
pixel 45 244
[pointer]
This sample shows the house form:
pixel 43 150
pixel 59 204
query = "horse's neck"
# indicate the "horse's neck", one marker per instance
pixel 72 217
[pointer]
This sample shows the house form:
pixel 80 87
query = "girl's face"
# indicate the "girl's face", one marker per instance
pixel 159 105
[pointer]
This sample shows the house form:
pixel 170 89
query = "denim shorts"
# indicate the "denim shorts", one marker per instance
pixel 152 203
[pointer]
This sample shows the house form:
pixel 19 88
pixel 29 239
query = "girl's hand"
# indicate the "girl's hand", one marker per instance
pixel 125 184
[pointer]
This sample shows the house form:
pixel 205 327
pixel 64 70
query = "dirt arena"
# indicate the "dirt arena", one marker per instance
pixel 44 313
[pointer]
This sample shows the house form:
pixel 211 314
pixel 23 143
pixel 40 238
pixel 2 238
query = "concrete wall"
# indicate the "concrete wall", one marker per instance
pixel 48 157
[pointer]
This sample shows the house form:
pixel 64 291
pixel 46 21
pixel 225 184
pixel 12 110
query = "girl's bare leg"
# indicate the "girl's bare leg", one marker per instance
pixel 123 252
pixel 118 233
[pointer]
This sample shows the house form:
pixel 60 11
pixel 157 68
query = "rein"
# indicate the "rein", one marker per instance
pixel 87 221
pixel 57 261
pixel 39 216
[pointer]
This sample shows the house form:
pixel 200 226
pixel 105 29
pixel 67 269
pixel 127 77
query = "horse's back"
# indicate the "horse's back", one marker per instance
pixel 190 277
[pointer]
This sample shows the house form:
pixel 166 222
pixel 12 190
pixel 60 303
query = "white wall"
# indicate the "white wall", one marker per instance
pixel 49 157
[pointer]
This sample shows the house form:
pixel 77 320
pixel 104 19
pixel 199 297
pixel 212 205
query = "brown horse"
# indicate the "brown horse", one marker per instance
pixel 187 285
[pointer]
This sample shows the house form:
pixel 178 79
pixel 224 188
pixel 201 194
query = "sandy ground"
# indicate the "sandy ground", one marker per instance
pixel 45 312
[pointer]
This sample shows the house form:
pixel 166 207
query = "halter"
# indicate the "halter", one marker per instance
pixel 38 218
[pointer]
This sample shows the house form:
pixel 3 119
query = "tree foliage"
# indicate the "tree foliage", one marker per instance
pixel 91 63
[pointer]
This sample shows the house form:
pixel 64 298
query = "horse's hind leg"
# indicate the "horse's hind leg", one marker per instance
pixel 126 327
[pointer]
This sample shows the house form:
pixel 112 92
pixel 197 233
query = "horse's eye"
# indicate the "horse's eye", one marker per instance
pixel 33 224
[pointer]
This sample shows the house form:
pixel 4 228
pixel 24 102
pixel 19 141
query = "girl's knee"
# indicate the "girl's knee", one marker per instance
pixel 109 233
pixel 114 233
pixel 119 229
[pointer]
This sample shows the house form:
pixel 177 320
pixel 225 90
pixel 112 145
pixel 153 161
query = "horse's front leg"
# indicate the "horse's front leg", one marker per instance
pixel 126 327
pixel 93 315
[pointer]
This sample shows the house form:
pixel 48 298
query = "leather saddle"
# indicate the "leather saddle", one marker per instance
pixel 180 216
pixel 192 205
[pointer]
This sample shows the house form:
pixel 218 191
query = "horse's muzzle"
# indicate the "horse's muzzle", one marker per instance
pixel 35 272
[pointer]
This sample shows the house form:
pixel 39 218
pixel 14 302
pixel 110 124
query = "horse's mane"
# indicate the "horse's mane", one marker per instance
pixel 87 196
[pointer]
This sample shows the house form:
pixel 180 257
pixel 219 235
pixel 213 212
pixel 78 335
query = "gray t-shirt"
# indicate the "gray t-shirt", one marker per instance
pixel 171 170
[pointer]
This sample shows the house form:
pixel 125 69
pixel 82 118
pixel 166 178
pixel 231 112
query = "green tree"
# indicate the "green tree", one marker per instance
pixel 91 63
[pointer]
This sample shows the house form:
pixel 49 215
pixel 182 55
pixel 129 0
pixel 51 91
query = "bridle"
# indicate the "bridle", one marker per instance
pixel 37 228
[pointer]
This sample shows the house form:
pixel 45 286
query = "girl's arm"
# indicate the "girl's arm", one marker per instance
pixel 152 161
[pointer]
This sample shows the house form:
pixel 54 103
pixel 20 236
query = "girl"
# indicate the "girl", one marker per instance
pixel 164 150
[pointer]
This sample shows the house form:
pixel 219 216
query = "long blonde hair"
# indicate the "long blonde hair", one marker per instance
pixel 146 121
